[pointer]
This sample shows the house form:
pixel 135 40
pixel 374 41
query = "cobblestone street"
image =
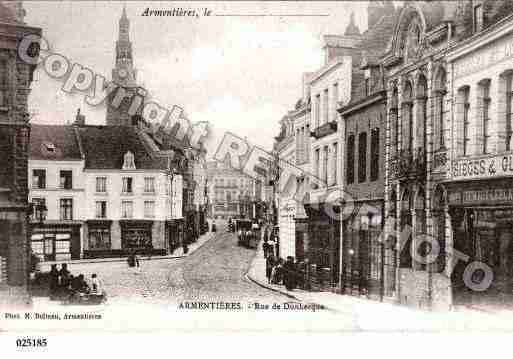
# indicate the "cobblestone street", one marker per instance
pixel 215 272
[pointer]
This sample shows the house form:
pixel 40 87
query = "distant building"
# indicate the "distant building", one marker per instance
pixel 231 193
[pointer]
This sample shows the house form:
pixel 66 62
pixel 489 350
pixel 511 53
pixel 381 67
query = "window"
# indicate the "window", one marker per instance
pixel 478 17
pixel 362 157
pixel 128 161
pixel 66 179
pixel 509 110
pixel 101 184
pixel 317 108
pixel 307 143
pixel 39 204
pixel 374 165
pixel 66 209
pixel 335 163
pixel 466 121
pixel 486 116
pixel 3 83
pixel 350 159
pixel 99 238
pixel 325 106
pixel 149 184
pixel 440 90
pixel 407 120
pixel 149 209
pixel 101 209
pixel 335 101
pixel 325 165
pixel 127 185
pixel 127 209
pixel 317 160
pixel 367 86
pixel 39 179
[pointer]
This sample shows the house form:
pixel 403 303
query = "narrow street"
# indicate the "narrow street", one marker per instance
pixel 214 273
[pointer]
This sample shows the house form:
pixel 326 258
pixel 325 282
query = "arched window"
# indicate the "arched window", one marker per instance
pixel 406 221
pixel 420 228
pixel 407 118
pixel 464 119
pixel 394 124
pixel 420 104
pixel 350 159
pixel 440 108
pixel 439 223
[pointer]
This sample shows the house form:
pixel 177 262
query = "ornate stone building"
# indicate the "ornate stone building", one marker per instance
pixel 15 80
pixel 427 116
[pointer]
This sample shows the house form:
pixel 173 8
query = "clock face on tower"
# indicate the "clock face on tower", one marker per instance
pixel 122 73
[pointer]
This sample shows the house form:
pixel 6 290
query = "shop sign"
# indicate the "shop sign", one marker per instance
pixel 483 59
pixel 494 166
pixel 489 196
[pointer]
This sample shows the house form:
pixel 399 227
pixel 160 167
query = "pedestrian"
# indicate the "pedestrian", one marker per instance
pixel 265 248
pixel 269 264
pixel 97 294
pixel 289 273
pixel 53 277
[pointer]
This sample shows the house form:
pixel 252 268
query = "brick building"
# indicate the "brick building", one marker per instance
pixel 15 80
pixel 363 123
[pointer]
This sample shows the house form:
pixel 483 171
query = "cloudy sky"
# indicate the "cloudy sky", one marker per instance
pixel 239 73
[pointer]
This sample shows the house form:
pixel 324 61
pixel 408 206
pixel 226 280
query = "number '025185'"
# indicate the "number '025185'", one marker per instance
pixel 31 342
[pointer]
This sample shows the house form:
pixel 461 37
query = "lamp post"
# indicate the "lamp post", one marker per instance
pixel 39 210
pixel 171 173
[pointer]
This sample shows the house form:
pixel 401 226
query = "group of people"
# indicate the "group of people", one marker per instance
pixel 279 271
pixel 65 286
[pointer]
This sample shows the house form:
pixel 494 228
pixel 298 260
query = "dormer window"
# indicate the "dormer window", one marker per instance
pixel 478 17
pixel 129 161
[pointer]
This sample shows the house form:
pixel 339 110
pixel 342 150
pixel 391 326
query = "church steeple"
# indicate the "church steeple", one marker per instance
pixel 124 72
pixel 123 75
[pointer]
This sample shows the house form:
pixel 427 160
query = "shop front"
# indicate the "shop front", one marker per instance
pixel 99 244
pixel 56 241
pixel 481 215
pixel 174 234
pixel 363 253
pixel 136 236
pixel 323 251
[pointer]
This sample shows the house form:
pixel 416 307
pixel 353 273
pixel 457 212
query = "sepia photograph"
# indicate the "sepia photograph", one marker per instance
pixel 253 166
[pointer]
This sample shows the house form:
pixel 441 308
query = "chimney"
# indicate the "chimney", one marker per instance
pixel 79 119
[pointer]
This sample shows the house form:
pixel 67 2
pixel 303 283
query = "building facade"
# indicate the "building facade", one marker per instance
pixel 105 193
pixel 474 200
pixel 363 126
pixel 57 188
pixel 329 87
pixel 15 81
pixel 231 193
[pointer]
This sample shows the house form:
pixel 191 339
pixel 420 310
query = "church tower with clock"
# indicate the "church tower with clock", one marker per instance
pixel 122 103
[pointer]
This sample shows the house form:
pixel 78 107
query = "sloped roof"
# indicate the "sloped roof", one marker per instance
pixel 376 39
pixel 54 142
pixel 105 146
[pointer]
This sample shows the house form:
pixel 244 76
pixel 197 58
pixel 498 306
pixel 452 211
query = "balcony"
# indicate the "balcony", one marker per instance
pixel 324 130
pixel 408 165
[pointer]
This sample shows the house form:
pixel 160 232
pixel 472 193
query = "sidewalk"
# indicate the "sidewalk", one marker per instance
pixel 45 266
pixel 371 315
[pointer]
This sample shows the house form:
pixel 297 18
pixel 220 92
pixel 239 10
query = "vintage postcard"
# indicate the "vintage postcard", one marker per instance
pixel 296 167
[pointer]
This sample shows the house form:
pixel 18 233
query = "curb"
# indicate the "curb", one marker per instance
pixel 260 284
pixel 123 259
